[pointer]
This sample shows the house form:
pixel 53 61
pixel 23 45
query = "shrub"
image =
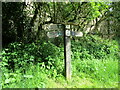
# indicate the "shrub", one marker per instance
pixel 19 55
pixel 94 47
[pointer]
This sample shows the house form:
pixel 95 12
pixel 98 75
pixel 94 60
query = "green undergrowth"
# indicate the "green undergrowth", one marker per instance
pixel 41 64
pixel 37 77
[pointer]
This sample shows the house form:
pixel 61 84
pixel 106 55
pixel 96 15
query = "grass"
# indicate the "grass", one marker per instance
pixel 94 65
pixel 37 77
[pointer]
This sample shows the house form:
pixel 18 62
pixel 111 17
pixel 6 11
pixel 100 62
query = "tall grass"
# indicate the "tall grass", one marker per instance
pixel 86 74
pixel 94 64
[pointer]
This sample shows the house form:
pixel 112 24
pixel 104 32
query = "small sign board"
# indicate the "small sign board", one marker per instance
pixel 55 27
pixel 52 27
pixel 68 32
pixel 76 33
pixel 54 34
pixel 67 26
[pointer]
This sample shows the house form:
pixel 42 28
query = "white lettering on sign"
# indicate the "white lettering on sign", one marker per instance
pixel 67 33
pixel 67 26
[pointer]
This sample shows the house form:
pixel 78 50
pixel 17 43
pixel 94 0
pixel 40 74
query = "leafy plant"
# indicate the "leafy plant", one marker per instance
pixel 92 57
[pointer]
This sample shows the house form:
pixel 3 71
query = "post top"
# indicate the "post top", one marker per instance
pixel 67 26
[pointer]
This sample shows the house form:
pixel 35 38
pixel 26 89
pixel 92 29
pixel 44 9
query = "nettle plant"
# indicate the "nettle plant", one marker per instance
pixel 91 47
pixel 19 55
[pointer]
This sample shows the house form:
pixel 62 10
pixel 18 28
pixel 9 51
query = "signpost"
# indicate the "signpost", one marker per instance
pixel 67 45
pixel 67 53
pixel 54 34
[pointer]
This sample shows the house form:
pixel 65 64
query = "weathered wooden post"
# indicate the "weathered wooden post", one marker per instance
pixel 67 45
pixel 67 53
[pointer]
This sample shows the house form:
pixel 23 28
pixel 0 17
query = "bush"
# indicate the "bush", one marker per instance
pixel 19 55
pixel 94 47
pixel 96 58
pixel 92 56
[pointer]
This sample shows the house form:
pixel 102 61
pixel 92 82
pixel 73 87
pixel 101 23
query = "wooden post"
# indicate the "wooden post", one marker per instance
pixel 67 53
pixel 67 46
